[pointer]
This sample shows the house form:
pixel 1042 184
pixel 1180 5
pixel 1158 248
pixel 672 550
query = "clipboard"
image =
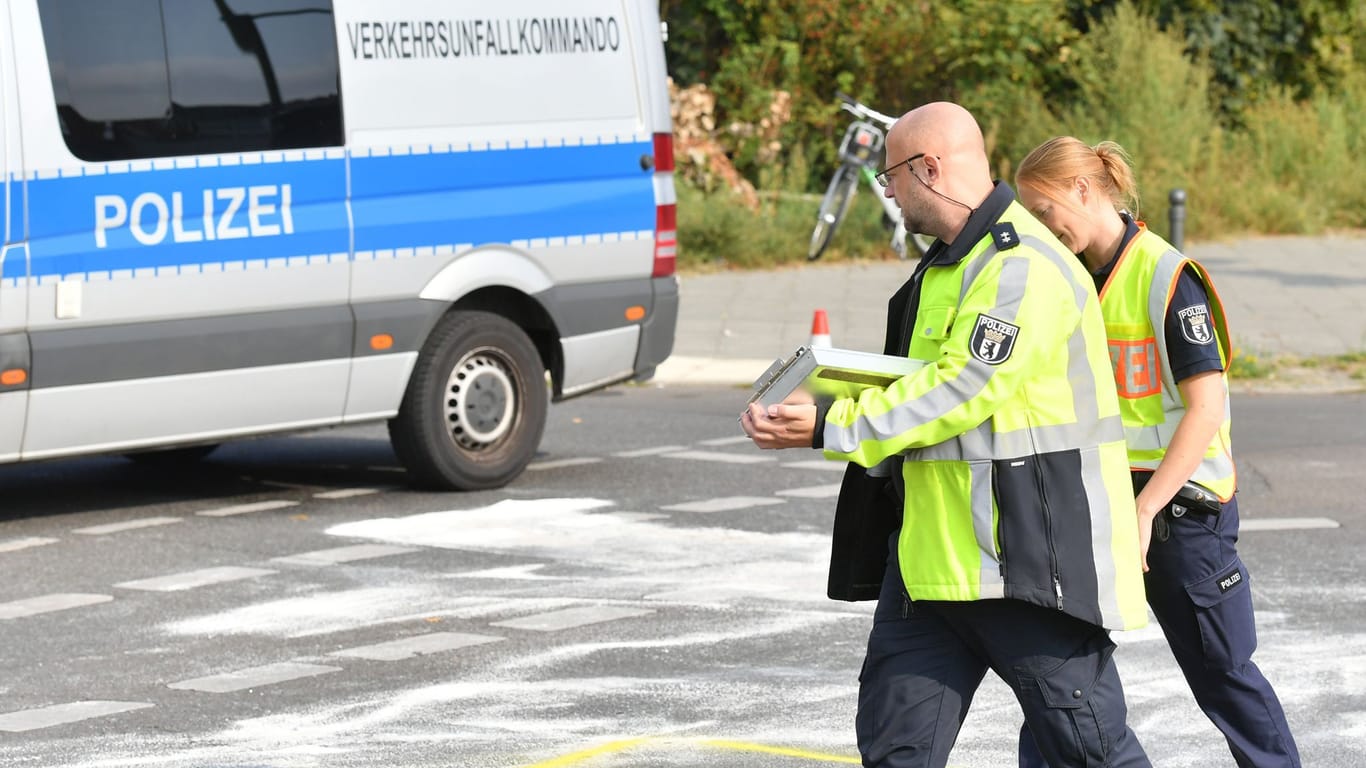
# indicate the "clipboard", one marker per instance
pixel 829 372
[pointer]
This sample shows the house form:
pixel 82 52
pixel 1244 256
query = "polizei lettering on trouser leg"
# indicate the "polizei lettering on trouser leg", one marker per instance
pixel 228 213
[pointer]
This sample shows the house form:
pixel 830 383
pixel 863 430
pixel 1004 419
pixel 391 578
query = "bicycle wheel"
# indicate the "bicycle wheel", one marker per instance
pixel 833 206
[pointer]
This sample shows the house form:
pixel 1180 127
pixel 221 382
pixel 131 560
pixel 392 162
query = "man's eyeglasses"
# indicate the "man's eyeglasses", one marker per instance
pixel 881 175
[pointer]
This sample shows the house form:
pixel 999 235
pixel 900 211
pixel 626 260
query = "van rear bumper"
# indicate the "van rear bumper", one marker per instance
pixel 658 329
pixel 598 348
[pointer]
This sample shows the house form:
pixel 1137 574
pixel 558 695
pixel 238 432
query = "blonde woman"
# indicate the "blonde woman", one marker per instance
pixel 1170 348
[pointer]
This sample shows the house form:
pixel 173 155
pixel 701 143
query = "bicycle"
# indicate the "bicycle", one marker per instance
pixel 861 156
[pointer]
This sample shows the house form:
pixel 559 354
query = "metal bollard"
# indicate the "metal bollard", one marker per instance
pixel 1176 217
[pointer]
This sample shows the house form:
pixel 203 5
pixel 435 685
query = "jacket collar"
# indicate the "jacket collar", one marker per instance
pixel 975 228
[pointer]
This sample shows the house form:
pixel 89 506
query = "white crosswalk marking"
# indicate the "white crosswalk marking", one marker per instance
pixel 59 714
pixel 1287 523
pixel 725 441
pixel 344 554
pixel 242 509
pixel 191 579
pixel 127 525
pixel 345 493
pixel 729 458
pixel 33 606
pixel 572 617
pixel 724 504
pixel 14 545
pixel 813 491
pixel 421 645
pixel 253 677
pixel 561 463
pixel 649 451
pixel 817 464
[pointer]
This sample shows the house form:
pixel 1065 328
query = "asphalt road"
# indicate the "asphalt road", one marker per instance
pixel 649 593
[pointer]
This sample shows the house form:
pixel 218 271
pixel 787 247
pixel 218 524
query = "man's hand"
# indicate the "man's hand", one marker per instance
pixel 786 425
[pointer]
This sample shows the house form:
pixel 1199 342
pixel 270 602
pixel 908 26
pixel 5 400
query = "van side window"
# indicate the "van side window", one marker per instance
pixel 161 78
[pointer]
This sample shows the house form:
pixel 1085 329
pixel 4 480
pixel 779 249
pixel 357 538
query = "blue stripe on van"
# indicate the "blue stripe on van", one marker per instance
pixel 442 198
pixel 501 195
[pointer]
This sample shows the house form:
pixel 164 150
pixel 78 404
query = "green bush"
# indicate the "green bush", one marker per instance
pixel 1150 74
pixel 1136 86
pixel 890 54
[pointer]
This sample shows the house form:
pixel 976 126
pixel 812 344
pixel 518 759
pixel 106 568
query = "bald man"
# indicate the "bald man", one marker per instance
pixel 986 505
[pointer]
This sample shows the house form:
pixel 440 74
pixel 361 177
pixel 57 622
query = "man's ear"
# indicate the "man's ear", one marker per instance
pixel 932 171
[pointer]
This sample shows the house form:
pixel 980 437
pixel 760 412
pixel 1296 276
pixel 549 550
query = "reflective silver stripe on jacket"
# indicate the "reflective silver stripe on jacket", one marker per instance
pixel 1102 540
pixel 992 585
pixel 981 444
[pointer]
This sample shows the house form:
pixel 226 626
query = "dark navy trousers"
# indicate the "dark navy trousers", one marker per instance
pixel 1199 591
pixel 926 659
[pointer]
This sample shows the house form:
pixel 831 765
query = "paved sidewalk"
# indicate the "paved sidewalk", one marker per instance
pixel 1284 295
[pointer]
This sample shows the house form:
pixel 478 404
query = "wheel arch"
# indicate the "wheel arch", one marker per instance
pixel 506 282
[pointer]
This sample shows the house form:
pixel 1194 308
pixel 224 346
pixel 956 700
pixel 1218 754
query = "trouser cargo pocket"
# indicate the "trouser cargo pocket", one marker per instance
pixel 1062 706
pixel 1223 611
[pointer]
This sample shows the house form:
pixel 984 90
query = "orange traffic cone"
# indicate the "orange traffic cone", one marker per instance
pixel 820 330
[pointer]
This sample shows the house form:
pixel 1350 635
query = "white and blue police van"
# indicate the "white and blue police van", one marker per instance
pixel 230 218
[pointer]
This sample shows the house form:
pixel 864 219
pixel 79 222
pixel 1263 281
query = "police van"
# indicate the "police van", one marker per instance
pixel 227 218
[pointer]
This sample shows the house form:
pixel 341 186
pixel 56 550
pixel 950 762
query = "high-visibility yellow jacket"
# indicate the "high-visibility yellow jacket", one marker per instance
pixel 1014 466
pixel 1134 301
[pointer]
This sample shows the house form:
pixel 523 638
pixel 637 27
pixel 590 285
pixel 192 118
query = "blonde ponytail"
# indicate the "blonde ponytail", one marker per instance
pixel 1054 165
pixel 1120 184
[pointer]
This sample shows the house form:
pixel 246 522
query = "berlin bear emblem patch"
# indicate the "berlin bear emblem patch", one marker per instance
pixel 1195 324
pixel 993 340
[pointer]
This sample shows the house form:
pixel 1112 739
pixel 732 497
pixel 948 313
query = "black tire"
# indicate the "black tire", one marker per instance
pixel 188 454
pixel 833 207
pixel 475 407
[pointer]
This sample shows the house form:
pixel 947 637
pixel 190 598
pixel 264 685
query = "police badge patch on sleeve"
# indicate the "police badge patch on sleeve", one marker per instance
pixel 993 340
pixel 1195 324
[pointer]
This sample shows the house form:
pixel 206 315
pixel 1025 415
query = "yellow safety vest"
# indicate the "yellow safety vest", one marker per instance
pixel 1016 481
pixel 1135 300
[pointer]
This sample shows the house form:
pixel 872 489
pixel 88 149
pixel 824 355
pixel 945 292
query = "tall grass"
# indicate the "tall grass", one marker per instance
pixel 1138 87
pixel 715 231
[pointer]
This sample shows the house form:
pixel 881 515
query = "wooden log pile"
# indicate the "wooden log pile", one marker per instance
pixel 698 157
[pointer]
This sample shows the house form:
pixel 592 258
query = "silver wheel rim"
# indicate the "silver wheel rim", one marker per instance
pixel 480 400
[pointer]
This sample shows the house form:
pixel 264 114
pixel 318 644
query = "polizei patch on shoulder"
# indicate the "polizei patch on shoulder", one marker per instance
pixel 993 340
pixel 1195 324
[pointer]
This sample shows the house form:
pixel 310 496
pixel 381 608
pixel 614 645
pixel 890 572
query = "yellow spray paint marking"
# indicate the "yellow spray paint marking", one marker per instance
pixel 588 754
pixel 624 745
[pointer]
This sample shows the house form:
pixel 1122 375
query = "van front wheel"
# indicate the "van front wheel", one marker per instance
pixel 475 407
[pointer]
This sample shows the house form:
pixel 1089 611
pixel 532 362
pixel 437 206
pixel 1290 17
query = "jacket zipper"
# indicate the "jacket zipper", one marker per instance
pixel 1048 531
pixel 1048 525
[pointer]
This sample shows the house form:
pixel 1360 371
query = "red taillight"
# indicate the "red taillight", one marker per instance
pixel 666 211
pixel 664 152
pixel 666 239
